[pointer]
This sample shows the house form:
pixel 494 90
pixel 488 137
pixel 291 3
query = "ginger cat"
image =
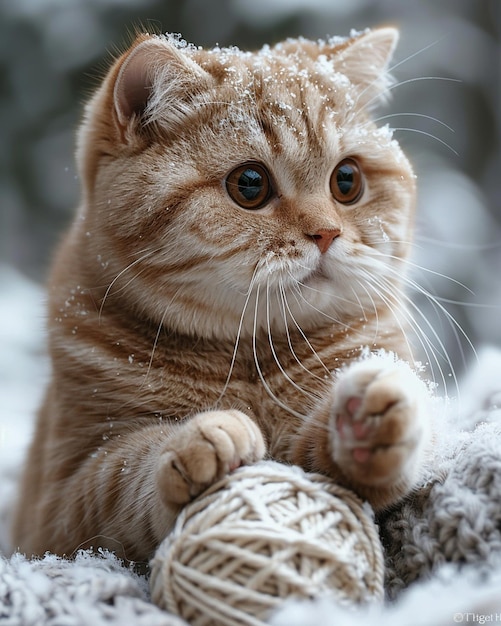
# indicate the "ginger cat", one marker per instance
pixel 230 289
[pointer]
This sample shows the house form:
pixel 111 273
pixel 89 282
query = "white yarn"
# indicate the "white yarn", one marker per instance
pixel 264 534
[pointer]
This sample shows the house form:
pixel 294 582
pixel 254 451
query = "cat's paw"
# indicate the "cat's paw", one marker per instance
pixel 204 449
pixel 379 423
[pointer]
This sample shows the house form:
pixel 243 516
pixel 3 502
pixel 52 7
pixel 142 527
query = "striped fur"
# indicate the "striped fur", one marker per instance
pixel 189 335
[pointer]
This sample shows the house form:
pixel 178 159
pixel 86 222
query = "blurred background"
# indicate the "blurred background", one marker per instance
pixel 447 112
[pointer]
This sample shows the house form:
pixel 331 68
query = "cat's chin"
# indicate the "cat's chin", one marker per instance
pixel 327 296
pixel 321 278
pixel 316 278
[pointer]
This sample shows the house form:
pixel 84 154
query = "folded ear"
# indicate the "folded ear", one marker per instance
pixel 365 62
pixel 134 82
pixel 363 59
pixel 154 82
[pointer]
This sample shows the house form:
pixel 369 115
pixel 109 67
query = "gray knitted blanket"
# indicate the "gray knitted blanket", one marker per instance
pixel 442 545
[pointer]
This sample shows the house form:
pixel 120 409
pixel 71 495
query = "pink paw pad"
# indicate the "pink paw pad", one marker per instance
pixel 360 429
pixel 361 455
pixel 353 405
pixel 351 428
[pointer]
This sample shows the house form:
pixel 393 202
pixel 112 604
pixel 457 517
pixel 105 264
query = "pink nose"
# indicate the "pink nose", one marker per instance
pixel 324 237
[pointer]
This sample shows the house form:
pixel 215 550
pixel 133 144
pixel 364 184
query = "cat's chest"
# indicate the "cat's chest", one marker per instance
pixel 276 380
pixel 266 378
pixel 284 378
pixel 271 377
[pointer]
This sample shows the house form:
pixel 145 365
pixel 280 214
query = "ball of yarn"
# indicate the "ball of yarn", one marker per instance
pixel 264 534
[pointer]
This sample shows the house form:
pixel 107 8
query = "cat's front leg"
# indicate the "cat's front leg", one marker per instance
pixel 373 432
pixel 204 449
pixel 379 424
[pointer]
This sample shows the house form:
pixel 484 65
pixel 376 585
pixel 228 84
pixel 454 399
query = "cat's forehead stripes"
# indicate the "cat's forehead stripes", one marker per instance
pixel 288 89
pixel 287 105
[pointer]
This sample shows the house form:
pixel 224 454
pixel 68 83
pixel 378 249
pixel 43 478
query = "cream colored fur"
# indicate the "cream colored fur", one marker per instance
pixel 189 334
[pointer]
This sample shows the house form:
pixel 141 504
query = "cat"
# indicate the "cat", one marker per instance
pixel 230 290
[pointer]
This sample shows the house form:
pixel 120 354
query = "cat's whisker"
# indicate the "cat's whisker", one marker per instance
pixel 157 335
pixel 155 344
pixel 239 333
pixel 422 268
pixel 426 134
pixel 415 54
pixel 473 305
pixel 300 284
pixel 273 351
pixel 401 83
pixel 418 115
pixel 383 286
pixel 89 540
pixel 440 309
pixel 376 314
pixel 301 332
pixel 360 304
pixel 335 320
pixel 388 72
pixel 316 422
pixel 456 245
pixel 420 78
pixel 284 305
pixel 436 346
pixel 436 301
pixel 303 285
pixel 259 371
pixel 387 297
pixel 107 293
pixel 386 292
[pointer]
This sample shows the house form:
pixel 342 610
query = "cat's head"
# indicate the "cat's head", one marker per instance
pixel 224 188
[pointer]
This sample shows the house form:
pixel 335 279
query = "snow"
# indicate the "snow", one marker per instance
pixel 24 370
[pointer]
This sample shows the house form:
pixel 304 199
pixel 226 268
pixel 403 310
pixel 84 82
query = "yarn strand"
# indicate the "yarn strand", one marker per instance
pixel 264 534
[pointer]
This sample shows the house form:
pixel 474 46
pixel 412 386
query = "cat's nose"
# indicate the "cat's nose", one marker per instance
pixel 324 237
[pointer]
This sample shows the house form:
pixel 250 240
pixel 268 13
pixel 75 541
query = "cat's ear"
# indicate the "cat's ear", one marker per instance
pixel 134 82
pixel 365 62
pixel 153 81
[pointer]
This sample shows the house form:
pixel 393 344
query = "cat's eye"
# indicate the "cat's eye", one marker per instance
pixel 249 186
pixel 347 182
